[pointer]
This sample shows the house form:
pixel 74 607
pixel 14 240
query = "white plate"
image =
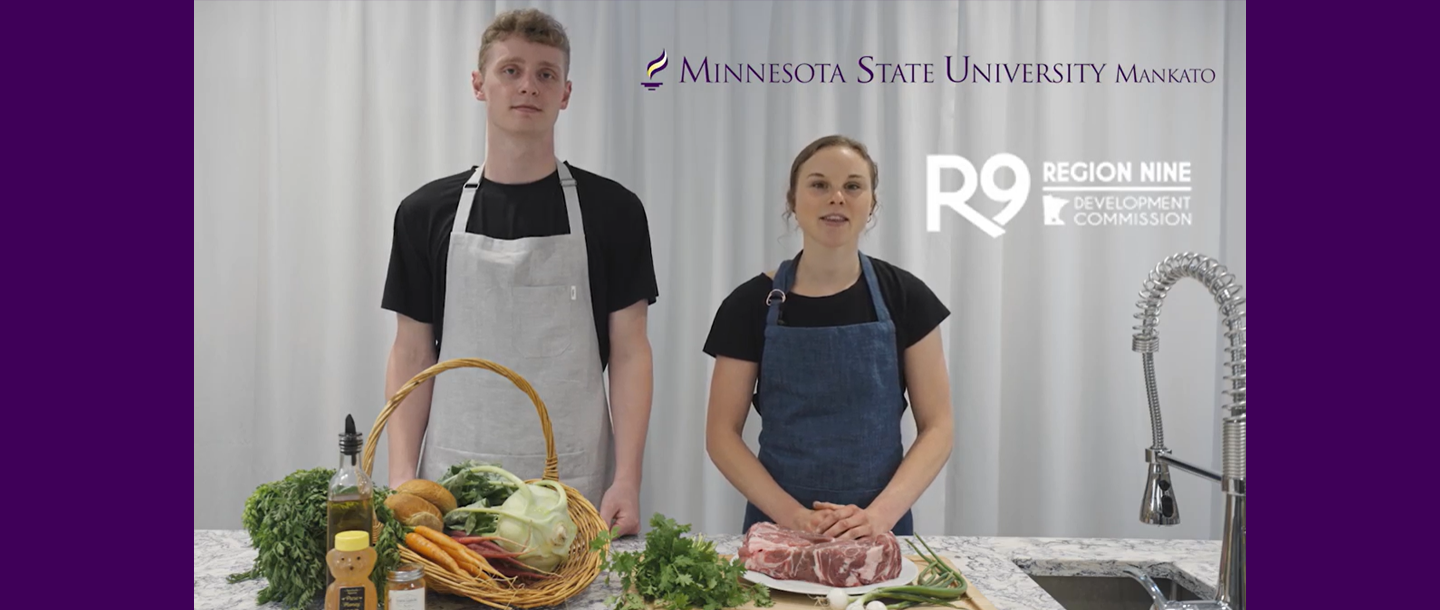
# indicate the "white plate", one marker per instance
pixel 908 572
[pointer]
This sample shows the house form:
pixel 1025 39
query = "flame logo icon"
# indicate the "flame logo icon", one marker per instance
pixel 655 65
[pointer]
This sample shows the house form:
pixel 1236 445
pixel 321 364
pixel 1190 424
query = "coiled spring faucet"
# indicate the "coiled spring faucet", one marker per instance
pixel 1158 506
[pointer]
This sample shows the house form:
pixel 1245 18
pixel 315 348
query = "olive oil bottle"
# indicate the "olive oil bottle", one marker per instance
pixel 351 504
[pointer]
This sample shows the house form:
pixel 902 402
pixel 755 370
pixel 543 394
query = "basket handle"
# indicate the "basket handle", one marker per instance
pixel 552 467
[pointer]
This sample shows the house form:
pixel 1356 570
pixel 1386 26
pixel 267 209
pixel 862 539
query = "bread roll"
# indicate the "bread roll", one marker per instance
pixel 409 509
pixel 427 520
pixel 431 492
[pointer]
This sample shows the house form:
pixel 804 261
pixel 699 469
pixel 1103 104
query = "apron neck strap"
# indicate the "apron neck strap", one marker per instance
pixel 572 199
pixel 785 278
pixel 467 197
pixel 471 192
pixel 882 313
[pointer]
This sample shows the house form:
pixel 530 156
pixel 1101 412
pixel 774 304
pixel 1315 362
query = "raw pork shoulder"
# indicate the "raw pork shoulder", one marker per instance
pixel 788 554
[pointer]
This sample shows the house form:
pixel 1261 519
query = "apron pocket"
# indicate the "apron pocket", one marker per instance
pixel 542 320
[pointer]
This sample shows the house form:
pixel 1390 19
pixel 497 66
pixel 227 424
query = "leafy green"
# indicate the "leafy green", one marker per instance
pixel 286 523
pixel 387 548
pixel 470 486
pixel 677 572
pixel 475 488
pixel 534 522
pixel 473 523
pixel 286 520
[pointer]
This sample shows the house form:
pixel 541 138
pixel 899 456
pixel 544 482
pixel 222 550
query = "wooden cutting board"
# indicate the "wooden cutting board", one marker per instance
pixel 785 600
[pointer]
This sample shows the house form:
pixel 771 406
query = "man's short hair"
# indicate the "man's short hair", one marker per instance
pixel 534 25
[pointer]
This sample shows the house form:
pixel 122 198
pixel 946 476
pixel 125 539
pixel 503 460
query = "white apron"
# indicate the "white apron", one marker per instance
pixel 524 304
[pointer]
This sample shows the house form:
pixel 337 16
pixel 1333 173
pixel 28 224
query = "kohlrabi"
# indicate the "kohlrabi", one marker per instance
pixel 534 521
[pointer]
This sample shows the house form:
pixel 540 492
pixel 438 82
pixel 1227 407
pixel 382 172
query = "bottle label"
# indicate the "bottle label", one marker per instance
pixel 352 598
pixel 406 600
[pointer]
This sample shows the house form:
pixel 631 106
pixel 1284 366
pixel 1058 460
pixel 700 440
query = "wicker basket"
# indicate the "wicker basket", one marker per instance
pixel 580 568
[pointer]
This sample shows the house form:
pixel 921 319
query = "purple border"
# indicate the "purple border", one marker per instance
pixel 100 340
pixel 97 121
pixel 1339 195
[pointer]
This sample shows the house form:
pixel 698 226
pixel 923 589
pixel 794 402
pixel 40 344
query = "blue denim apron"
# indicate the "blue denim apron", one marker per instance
pixel 830 404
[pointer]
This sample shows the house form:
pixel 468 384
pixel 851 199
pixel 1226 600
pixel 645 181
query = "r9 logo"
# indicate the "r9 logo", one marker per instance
pixel 1013 197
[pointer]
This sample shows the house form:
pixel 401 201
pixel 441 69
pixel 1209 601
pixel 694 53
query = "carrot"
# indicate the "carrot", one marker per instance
pixel 514 569
pixel 474 539
pixel 455 549
pixel 429 550
pixel 473 562
pixel 490 552
pixel 512 566
pixel 493 546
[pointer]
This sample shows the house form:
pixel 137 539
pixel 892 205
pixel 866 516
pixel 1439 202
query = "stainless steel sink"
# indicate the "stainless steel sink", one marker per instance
pixel 1108 592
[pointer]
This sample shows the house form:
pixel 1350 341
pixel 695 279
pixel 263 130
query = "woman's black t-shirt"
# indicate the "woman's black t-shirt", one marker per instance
pixel 738 330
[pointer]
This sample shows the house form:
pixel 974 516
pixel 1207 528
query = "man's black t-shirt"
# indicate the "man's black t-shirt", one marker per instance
pixel 617 241
pixel 739 327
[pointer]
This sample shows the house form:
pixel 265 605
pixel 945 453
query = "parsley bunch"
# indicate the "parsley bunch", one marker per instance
pixel 676 572
pixel 286 520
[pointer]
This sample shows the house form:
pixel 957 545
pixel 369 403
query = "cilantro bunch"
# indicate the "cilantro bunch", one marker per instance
pixel 676 572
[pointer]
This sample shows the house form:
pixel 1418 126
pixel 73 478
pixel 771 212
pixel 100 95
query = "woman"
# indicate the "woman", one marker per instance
pixel 829 344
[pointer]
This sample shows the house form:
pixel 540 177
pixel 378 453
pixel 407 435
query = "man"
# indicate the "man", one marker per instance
pixel 550 275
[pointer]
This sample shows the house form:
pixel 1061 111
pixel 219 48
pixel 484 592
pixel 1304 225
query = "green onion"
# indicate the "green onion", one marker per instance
pixel 937 585
pixel 914 593
pixel 950 578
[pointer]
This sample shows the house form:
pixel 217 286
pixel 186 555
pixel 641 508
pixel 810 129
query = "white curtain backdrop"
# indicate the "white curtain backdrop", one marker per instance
pixel 314 119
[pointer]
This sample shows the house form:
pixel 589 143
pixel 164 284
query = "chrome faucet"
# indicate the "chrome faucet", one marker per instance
pixel 1158 506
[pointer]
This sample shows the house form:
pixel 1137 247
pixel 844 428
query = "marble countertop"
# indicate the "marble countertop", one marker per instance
pixel 999 568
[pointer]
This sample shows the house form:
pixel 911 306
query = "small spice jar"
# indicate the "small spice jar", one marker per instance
pixel 405 588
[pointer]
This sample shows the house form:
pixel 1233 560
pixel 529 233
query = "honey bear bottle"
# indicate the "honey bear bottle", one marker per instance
pixel 350 563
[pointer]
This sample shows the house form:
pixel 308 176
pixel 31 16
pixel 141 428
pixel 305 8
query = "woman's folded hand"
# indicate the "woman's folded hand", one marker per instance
pixel 848 522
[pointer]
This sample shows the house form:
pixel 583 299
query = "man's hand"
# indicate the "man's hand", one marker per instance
pixel 620 508
pixel 631 389
pixel 850 522
pixel 412 352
